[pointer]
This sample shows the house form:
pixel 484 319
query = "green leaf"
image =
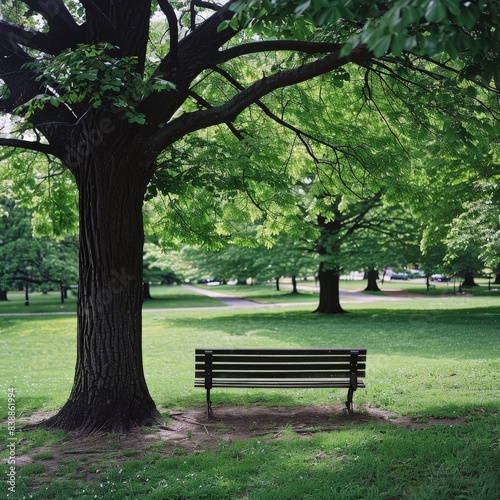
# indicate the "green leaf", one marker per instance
pixel 54 101
pixel 436 11
pixel 134 117
pixel 381 45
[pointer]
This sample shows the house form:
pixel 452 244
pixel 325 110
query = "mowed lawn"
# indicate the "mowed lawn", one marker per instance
pixel 427 358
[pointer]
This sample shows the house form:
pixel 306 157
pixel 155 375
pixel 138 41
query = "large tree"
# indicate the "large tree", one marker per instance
pixel 79 75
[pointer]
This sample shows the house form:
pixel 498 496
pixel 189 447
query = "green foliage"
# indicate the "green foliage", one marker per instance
pixel 45 188
pixel 464 30
pixel 26 258
pixel 476 231
pixel 92 74
pixel 171 266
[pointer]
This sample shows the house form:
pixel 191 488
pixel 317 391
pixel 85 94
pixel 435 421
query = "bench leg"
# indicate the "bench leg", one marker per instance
pixel 209 404
pixel 348 403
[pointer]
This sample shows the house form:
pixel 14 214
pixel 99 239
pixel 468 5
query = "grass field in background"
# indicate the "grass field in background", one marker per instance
pixel 427 357
pixel 163 297
pixel 434 362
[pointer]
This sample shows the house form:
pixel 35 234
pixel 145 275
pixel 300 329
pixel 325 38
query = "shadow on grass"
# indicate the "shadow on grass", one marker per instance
pixel 460 333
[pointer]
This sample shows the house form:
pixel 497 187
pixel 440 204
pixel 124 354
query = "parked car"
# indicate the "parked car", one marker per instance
pixel 399 276
pixel 208 281
pixel 439 278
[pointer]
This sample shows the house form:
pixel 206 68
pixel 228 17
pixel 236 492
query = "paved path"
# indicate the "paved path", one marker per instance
pixel 233 301
pixel 229 300
pixel 359 296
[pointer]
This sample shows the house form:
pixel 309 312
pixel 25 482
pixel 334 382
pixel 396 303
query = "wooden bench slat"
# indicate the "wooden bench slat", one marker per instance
pixel 293 384
pixel 277 374
pixel 222 358
pixel 278 351
pixel 334 367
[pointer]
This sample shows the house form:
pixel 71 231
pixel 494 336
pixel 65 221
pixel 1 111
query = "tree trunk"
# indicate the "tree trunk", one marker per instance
pixel 294 285
pixel 497 279
pixel 329 300
pixel 3 295
pixel 372 276
pixel 329 276
pixel 277 284
pixel 109 392
pixel 469 280
pixel 146 291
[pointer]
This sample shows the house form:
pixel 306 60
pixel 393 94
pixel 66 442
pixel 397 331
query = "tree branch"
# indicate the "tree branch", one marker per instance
pixel 206 5
pixel 190 122
pixel 277 45
pixel 207 105
pixel 55 13
pixel 168 10
pixel 32 146
pixel 11 36
pixel 200 3
pixel 300 133
pixel 105 27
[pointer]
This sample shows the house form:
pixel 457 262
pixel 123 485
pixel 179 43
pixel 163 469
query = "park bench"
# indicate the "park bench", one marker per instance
pixel 280 368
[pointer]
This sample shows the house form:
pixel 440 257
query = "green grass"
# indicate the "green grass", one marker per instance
pixel 355 462
pixel 164 297
pixel 430 357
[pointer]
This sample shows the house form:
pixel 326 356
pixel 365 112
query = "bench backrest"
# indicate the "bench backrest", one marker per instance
pixel 280 364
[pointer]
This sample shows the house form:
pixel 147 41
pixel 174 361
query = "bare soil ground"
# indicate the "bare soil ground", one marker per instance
pixel 190 431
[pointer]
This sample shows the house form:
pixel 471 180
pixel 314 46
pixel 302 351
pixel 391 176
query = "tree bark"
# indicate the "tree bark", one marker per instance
pixel 3 295
pixel 63 292
pixel 372 276
pixel 294 285
pixel 329 275
pixel 469 280
pixel 329 300
pixel 497 279
pixel 277 284
pixel 109 392
pixel 146 289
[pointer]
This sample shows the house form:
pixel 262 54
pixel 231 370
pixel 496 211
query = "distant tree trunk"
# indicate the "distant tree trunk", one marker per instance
pixel 329 277
pixel 469 280
pixel 64 293
pixel 109 392
pixel 372 276
pixel 146 291
pixel 294 285
pixel 3 295
pixel 277 284
pixel 329 299
pixel 497 279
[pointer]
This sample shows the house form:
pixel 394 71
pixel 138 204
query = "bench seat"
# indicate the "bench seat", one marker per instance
pixel 280 368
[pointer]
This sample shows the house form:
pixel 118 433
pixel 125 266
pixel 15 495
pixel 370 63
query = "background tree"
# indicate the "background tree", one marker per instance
pixel 28 260
pixel 80 76
pixel 476 233
pixel 287 258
